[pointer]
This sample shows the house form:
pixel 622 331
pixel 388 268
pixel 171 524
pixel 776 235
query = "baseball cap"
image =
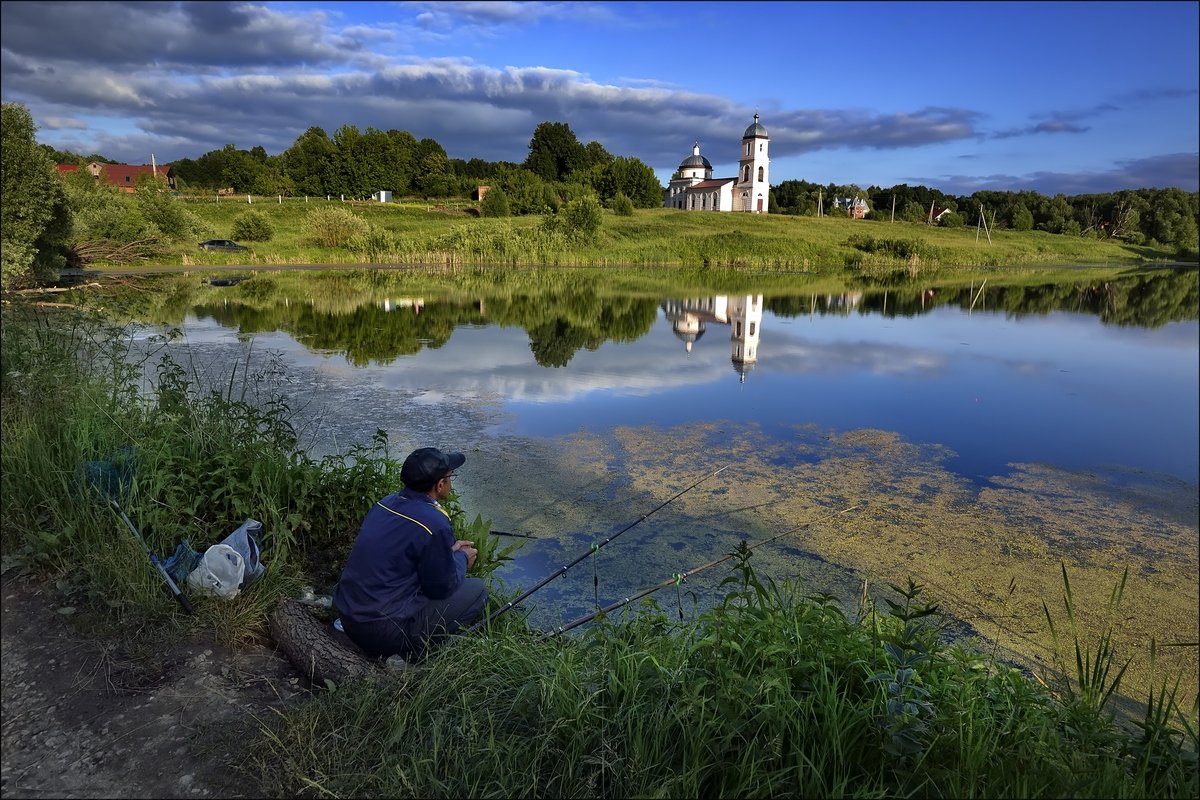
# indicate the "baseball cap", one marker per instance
pixel 425 466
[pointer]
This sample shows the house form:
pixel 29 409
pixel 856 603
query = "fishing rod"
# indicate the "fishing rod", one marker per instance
pixel 517 535
pixel 677 580
pixel 588 552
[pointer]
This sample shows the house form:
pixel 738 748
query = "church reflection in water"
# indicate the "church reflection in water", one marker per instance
pixel 691 317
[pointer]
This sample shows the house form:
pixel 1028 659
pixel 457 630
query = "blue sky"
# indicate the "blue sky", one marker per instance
pixel 1056 97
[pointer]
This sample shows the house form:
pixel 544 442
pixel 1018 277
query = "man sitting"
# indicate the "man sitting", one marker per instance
pixel 404 584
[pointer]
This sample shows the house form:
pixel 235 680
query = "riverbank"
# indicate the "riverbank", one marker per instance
pixel 191 487
pixel 415 234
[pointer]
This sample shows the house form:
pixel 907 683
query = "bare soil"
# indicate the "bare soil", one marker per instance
pixel 89 717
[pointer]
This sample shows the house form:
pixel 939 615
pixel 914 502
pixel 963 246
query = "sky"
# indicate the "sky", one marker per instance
pixel 1074 97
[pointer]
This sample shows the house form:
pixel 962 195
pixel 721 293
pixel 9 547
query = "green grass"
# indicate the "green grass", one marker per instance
pixel 203 460
pixel 437 235
pixel 770 693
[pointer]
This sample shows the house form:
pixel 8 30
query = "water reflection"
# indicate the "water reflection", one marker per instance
pixel 743 315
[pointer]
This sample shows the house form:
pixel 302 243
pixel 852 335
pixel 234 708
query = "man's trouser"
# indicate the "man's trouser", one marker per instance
pixel 410 638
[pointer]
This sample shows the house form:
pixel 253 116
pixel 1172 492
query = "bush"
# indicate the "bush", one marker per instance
pixel 252 226
pixel 334 227
pixel 579 218
pixel 374 243
pixel 495 204
pixel 621 205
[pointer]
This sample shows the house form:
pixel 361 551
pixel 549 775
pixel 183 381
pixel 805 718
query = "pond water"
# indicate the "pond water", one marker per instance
pixel 983 432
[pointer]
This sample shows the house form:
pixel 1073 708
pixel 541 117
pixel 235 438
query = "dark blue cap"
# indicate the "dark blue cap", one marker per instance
pixel 427 465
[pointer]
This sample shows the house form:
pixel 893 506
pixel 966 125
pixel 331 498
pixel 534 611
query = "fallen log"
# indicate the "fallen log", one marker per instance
pixel 315 648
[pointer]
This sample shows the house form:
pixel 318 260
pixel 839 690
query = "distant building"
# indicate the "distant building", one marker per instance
pixel 856 207
pixel 693 187
pixel 124 176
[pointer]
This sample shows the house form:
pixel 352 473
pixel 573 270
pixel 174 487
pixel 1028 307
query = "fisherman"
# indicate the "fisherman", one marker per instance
pixel 404 586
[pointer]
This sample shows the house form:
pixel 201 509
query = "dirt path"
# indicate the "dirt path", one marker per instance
pixel 81 719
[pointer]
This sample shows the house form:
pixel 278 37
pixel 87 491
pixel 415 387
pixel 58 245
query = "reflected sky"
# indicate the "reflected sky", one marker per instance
pixel 1060 388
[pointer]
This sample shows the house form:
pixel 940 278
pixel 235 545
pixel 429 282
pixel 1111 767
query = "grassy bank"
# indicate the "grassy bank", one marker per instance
pixel 438 235
pixel 771 692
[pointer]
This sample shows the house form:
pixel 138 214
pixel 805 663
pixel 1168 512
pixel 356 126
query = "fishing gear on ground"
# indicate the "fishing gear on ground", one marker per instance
pixel 591 549
pixel 113 477
pixel 223 570
pixel 679 578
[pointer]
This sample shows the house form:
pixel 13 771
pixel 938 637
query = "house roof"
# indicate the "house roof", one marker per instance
pixel 712 183
pixel 63 169
pixel 122 174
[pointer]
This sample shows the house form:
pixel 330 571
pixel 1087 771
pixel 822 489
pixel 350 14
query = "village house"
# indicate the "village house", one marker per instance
pixel 693 188
pixel 123 176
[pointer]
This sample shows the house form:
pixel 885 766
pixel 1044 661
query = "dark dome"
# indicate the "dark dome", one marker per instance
pixel 755 130
pixel 695 161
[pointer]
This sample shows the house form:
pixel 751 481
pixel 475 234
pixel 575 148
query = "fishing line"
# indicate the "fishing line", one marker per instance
pixel 594 547
pixel 679 578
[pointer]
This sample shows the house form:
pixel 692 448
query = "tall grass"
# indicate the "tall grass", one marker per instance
pixel 204 457
pixel 769 693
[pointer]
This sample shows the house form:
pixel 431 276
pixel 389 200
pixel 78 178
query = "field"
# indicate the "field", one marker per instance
pixel 422 233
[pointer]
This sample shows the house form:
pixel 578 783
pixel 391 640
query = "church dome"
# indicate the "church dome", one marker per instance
pixel 755 131
pixel 695 159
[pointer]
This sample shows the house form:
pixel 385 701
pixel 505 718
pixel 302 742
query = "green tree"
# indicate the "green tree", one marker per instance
pixel 35 219
pixel 308 162
pixel 554 152
pixel 1022 218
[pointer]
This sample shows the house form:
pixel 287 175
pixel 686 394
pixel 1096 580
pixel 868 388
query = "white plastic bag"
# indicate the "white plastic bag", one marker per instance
pixel 219 572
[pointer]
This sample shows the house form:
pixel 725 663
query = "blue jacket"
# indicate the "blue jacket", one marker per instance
pixel 401 560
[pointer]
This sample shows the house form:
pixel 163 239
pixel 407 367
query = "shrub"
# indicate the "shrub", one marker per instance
pixel 495 204
pixel 374 242
pixel 252 226
pixel 621 205
pixel 578 219
pixel 334 227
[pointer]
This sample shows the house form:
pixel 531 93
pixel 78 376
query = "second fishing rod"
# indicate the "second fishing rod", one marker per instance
pixel 511 603
pixel 678 580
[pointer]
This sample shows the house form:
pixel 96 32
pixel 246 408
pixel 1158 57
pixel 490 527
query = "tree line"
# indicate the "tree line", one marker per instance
pixel 357 164
pixel 1168 217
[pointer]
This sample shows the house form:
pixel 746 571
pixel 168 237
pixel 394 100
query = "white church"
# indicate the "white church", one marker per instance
pixel 693 188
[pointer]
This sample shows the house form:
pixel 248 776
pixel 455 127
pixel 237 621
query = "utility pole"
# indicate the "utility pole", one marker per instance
pixel 893 208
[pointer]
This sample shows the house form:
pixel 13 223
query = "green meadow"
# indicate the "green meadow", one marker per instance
pixel 411 233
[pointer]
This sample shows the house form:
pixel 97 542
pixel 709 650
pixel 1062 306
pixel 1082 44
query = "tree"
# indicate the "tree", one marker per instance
pixel 35 219
pixel 1022 218
pixel 554 152
pixel 307 162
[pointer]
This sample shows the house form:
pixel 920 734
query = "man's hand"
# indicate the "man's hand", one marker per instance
pixel 467 547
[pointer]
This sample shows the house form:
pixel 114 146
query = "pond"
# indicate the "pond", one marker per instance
pixel 986 435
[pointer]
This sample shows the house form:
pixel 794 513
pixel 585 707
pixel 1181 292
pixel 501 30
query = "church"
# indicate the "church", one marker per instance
pixel 693 188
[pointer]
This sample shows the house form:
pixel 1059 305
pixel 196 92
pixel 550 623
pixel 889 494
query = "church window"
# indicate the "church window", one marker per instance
pixel 738 329
pixel 704 202
pixel 760 173
pixel 746 174
pixel 751 328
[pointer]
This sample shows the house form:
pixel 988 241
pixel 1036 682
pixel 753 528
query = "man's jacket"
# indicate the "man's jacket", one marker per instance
pixel 401 560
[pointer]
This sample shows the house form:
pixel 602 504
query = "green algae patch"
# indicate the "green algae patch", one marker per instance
pixel 969 543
